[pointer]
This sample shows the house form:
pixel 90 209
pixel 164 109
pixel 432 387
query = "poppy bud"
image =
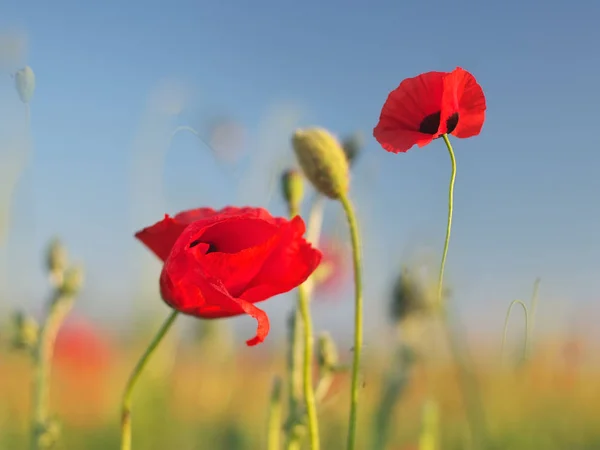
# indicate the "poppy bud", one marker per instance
pixel 25 83
pixel 56 258
pixel 327 354
pixel 410 296
pixel 292 187
pixel 352 146
pixel 26 331
pixel 73 281
pixel 323 161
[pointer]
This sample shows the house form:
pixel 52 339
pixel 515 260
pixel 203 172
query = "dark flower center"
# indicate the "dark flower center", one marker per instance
pixel 431 123
pixel 211 247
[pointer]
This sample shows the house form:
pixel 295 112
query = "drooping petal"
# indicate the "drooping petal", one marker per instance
pixel 462 94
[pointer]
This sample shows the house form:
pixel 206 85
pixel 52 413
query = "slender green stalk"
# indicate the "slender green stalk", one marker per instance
pixel 133 378
pixel 58 310
pixel 504 334
pixel 295 356
pixel 449 223
pixel 309 394
pixel 274 429
pixel 303 309
pixel 466 377
pixel 358 318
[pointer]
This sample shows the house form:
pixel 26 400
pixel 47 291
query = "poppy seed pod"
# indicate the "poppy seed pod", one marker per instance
pixel 323 161
pixel 292 187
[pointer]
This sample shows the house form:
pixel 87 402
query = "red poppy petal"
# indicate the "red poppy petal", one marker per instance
pixel 194 293
pixel 161 236
pixel 192 215
pixel 287 267
pixel 404 110
pixel 464 95
pixel 237 270
pixel 237 233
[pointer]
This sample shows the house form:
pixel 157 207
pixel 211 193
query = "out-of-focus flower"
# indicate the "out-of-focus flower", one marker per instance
pixel 411 296
pixel 83 359
pixel 227 139
pixel 352 146
pixel 220 263
pixel 335 269
pixel 427 106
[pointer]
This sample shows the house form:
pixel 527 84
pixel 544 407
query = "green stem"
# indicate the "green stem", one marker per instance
pixel 133 378
pixel 59 308
pixel 309 394
pixel 274 429
pixel 449 223
pixel 466 377
pixel 295 378
pixel 358 318
pixel 504 334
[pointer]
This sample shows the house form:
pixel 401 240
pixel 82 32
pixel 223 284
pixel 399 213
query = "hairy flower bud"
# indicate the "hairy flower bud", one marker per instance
pixel 410 296
pixel 322 160
pixel 292 187
pixel 73 281
pixel 26 331
pixel 56 259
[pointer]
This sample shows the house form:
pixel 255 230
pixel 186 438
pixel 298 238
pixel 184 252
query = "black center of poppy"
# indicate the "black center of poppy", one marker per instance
pixel 211 247
pixel 431 123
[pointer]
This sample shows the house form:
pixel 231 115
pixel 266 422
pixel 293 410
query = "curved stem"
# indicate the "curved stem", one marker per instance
pixel 527 329
pixel 466 377
pixel 135 375
pixel 59 308
pixel 449 223
pixel 274 428
pixel 358 318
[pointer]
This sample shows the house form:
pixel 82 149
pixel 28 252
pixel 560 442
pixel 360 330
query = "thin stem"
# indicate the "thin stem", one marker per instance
pixel 309 394
pixel 58 310
pixel 295 356
pixel 133 378
pixel 449 223
pixel 274 429
pixel 358 318
pixel 504 334
pixel 466 377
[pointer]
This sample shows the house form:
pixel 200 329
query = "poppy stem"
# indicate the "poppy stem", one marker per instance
pixel 505 332
pixel 309 393
pixel 133 378
pixel 358 318
pixel 274 430
pixel 58 310
pixel 466 377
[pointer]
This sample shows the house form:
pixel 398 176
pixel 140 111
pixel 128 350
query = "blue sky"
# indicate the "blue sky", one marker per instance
pixel 526 193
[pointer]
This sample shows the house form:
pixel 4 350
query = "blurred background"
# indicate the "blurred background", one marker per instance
pixel 146 108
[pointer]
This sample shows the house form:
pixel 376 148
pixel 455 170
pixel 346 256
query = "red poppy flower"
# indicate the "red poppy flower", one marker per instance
pixel 425 107
pixel 220 263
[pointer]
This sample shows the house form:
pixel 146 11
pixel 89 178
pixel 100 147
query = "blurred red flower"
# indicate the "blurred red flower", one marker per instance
pixel 219 263
pixel 427 106
pixel 80 347
pixel 334 270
